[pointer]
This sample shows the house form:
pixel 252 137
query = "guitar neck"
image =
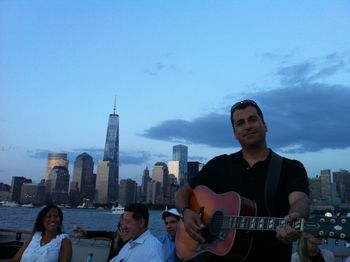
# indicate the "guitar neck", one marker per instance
pixel 254 223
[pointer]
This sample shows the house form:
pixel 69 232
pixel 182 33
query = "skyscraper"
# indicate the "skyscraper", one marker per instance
pixel 193 167
pixel 108 169
pixel 145 179
pixel 174 169
pixel 325 178
pixel 55 159
pixel 16 187
pixel 127 192
pixel 180 154
pixel 59 183
pixel 83 175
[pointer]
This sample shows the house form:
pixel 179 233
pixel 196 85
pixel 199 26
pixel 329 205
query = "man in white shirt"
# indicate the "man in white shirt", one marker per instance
pixel 142 246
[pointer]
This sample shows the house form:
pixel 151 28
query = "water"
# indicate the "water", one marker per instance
pixel 89 219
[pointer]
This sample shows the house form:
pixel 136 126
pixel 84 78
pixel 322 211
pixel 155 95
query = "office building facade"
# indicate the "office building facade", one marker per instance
pixel 107 178
pixel 180 153
pixel 83 176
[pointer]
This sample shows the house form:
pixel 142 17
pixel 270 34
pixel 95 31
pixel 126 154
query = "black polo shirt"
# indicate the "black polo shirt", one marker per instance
pixel 232 173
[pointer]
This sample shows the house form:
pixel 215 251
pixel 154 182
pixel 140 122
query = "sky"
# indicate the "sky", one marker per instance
pixel 174 69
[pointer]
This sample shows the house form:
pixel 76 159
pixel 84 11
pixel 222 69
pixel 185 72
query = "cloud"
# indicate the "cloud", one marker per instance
pixel 126 158
pixel 307 118
pixel 158 68
pixel 302 115
pixel 7 148
pixel 38 153
pixel 312 70
pixel 136 158
pixel 212 129
pixel 198 158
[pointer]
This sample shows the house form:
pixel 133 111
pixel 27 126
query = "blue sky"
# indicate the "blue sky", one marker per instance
pixel 175 68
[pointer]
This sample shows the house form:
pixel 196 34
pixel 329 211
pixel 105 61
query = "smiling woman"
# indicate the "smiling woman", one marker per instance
pixel 47 242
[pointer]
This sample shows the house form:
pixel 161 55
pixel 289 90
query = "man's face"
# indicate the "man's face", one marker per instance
pixel 249 129
pixel 132 228
pixel 171 224
pixel 122 231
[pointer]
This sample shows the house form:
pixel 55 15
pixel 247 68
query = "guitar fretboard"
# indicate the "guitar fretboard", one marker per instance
pixel 253 223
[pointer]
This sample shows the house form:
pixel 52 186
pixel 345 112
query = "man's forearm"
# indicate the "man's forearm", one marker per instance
pixel 301 205
pixel 182 198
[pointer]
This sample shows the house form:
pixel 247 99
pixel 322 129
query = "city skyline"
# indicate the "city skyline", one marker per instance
pixel 175 69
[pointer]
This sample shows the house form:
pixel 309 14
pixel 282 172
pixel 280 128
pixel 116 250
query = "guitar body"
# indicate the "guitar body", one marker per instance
pixel 229 242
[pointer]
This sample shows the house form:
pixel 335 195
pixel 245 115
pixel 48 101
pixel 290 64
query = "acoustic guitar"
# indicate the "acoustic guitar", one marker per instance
pixel 228 219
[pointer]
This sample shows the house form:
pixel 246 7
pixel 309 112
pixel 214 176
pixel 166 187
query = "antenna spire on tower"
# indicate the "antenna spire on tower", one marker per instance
pixel 115 99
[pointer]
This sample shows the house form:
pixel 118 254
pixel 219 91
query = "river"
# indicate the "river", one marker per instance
pixel 91 219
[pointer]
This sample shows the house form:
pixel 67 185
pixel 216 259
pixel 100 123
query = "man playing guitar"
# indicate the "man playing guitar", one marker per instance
pixel 246 172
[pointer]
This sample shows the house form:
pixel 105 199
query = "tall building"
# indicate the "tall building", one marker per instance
pixel 193 167
pixel 127 192
pixel 160 173
pixel 180 153
pixel 174 169
pixel 153 191
pixel 55 159
pixel 326 188
pixel 315 189
pixel 16 187
pixel 33 194
pixel 341 179
pixel 83 175
pixel 108 169
pixel 145 179
pixel 59 182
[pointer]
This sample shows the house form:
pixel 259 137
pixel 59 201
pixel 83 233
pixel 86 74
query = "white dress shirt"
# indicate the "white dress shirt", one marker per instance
pixel 145 248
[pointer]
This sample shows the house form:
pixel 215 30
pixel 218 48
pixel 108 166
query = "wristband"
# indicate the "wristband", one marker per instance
pixel 183 210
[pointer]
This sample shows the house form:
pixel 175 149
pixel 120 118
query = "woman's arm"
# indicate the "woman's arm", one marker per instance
pixel 20 252
pixel 66 250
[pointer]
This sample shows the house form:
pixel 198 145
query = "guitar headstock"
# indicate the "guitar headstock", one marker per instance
pixel 325 227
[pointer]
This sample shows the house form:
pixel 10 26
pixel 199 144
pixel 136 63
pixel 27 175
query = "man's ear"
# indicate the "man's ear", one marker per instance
pixel 142 222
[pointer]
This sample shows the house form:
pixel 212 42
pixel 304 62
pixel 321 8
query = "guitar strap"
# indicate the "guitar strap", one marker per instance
pixel 271 182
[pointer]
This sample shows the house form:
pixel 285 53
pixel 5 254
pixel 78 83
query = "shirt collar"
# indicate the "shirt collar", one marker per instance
pixel 141 238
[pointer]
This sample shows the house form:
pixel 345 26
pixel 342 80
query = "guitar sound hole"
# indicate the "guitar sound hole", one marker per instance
pixel 215 224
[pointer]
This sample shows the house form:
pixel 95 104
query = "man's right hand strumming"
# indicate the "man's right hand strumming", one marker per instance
pixel 192 221
pixel 193 224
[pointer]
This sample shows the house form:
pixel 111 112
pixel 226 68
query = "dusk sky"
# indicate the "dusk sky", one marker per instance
pixel 175 68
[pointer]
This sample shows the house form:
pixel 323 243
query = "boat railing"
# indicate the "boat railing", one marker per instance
pixel 14 234
pixel 341 256
pixel 93 241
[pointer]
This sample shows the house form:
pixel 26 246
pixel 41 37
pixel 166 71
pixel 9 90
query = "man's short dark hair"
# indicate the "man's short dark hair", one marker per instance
pixel 139 211
pixel 243 104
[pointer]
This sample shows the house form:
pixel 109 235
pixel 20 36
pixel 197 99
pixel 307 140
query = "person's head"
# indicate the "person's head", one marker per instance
pixel 121 230
pixel 171 217
pixel 50 218
pixel 308 243
pixel 135 220
pixel 248 123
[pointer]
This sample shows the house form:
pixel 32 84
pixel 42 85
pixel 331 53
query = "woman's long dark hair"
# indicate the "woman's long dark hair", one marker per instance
pixel 38 226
